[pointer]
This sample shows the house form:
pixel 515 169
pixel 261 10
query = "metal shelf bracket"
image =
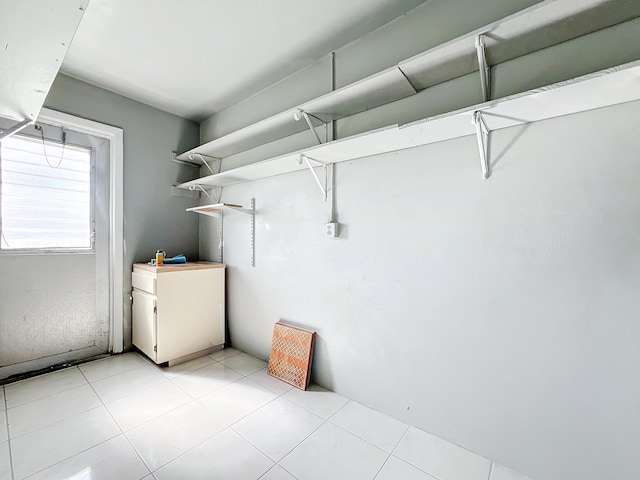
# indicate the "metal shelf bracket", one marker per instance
pixel 200 188
pixel 174 159
pixel 206 160
pixel 322 185
pixel 15 129
pixel 300 114
pixel 485 70
pixel 482 134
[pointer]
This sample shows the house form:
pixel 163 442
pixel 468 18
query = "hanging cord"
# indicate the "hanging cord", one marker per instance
pixel 44 148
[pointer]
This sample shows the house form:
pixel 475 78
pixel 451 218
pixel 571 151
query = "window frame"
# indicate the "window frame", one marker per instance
pixel 52 134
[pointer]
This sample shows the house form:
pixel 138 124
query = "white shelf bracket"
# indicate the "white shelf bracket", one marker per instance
pixel 200 188
pixel 15 129
pixel 174 159
pixel 300 114
pixel 323 187
pixel 252 238
pixel 485 71
pixel 482 134
pixel 206 160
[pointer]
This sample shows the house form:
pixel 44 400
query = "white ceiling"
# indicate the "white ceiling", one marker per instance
pixel 197 57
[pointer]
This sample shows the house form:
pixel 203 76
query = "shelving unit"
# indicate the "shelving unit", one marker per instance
pixel 609 87
pixel 548 23
pixel 35 39
pixel 218 209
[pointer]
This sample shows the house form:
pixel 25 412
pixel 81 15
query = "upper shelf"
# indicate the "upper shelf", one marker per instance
pixel 545 24
pixel 541 26
pixel 35 36
pixel 608 87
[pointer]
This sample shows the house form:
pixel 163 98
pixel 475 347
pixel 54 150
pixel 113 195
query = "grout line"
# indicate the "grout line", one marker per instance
pixel 82 451
pixel 358 436
pixel 56 422
pixel 189 450
pixel 282 467
pixel 309 410
pixel 292 449
pixel 267 472
pixel 116 422
pixel 381 467
pixel 6 417
pixel 46 396
pixel 113 374
pixel 324 422
pixel 103 405
pixel 74 455
pixel 191 400
pixel 406 431
pixel 340 409
pixel 431 475
pixel 126 436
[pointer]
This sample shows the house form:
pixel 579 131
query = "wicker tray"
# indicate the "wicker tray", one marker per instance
pixel 291 354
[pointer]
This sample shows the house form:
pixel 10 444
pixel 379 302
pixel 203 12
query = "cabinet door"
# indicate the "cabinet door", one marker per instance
pixel 144 323
pixel 190 312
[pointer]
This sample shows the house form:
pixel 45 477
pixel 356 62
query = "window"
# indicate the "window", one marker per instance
pixel 45 195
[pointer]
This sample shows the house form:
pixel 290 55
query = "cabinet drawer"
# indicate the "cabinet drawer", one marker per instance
pixel 144 282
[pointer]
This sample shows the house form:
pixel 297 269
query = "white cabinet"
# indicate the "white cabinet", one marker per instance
pixel 178 310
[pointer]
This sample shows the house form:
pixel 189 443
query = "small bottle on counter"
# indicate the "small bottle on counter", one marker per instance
pixel 159 258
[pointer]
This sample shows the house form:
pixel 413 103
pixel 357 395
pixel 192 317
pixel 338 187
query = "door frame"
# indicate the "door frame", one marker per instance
pixel 115 136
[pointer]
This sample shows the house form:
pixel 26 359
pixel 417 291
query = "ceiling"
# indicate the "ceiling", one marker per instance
pixel 197 57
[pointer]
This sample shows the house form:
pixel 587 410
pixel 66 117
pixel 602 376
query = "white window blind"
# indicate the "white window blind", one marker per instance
pixel 45 199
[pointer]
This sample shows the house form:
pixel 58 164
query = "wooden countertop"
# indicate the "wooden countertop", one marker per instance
pixel 177 267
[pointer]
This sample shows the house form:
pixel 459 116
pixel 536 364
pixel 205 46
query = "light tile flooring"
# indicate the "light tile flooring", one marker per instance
pixel 217 417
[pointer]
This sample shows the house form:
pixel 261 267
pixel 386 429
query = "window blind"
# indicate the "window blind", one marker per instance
pixel 45 195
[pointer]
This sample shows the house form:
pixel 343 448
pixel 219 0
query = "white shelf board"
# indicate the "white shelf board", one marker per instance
pixel 34 38
pixel 254 171
pixel 217 208
pixel 540 26
pixel 602 89
pixel 278 126
pixel 545 24
pixel 379 89
pixel 384 87
pixel 608 87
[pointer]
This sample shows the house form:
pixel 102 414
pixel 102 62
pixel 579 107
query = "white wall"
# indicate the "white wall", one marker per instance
pixel 500 315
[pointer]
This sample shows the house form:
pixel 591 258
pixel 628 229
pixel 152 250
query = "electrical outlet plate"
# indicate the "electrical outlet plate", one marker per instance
pixel 330 230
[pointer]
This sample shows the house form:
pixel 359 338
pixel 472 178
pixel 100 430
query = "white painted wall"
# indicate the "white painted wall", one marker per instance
pixel 500 314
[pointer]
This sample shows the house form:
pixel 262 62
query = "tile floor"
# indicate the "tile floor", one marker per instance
pixel 217 417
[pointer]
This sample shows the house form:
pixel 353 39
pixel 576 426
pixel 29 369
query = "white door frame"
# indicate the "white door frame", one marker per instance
pixel 116 212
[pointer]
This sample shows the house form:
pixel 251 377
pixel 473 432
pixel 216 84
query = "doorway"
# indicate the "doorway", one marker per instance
pixel 60 244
